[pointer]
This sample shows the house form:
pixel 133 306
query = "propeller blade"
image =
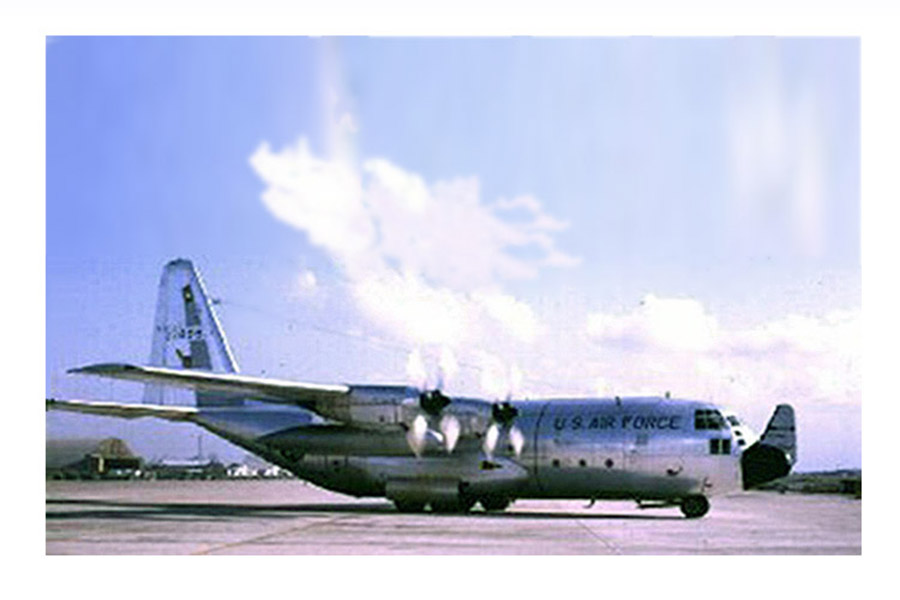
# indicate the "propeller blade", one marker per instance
pixel 415 437
pixel 450 427
pixel 516 440
pixel 416 372
pixel 490 440
pixel 447 366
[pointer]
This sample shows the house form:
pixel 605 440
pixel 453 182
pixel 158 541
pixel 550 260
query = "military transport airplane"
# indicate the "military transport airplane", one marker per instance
pixel 423 448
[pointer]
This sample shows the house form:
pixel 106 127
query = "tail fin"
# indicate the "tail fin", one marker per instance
pixel 781 432
pixel 187 333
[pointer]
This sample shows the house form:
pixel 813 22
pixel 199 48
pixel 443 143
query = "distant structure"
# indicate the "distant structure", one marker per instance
pixel 840 481
pixel 192 468
pixel 108 458
pixel 256 468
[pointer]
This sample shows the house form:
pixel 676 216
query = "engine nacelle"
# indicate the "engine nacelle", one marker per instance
pixel 375 407
pixel 396 407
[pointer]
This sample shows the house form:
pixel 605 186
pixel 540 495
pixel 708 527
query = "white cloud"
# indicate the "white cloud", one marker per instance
pixel 398 189
pixel 677 344
pixel 664 323
pixel 418 312
pixel 514 315
pixel 426 261
pixel 384 214
pixel 323 198
pixel 499 379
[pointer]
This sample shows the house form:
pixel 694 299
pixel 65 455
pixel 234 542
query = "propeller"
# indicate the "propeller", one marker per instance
pixel 432 403
pixel 432 420
pixel 503 415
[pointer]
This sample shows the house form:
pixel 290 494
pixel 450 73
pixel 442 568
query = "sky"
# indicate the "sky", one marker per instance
pixel 534 217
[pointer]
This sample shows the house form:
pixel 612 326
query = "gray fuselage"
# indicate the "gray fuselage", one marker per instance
pixel 605 448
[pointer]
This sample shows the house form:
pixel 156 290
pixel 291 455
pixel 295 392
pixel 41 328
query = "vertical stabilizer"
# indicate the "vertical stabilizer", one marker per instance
pixel 187 333
pixel 781 432
pixel 775 452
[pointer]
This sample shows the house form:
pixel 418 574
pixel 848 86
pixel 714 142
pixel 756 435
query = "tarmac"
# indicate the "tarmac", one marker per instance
pixel 257 517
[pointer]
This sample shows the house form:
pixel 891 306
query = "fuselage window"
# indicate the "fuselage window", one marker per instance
pixel 717 446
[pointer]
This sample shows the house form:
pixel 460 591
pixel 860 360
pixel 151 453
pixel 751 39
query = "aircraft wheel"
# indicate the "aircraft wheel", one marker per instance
pixel 495 503
pixel 694 507
pixel 408 506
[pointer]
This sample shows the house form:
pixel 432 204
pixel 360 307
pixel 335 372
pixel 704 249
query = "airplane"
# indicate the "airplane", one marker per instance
pixel 422 448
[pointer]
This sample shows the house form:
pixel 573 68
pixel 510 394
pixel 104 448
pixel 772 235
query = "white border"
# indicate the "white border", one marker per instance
pixel 24 27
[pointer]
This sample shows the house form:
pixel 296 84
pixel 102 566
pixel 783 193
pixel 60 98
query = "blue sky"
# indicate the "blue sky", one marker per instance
pixel 542 216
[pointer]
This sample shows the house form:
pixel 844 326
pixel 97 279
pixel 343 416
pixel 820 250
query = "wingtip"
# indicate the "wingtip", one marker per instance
pixel 102 369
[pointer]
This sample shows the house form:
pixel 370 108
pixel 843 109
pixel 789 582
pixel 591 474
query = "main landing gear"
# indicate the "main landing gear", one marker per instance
pixel 694 507
pixel 463 505
pixel 495 503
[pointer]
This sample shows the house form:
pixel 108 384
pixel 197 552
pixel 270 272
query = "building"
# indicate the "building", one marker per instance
pixel 196 468
pixel 87 458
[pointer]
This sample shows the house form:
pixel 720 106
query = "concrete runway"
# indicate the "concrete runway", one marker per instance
pixel 290 517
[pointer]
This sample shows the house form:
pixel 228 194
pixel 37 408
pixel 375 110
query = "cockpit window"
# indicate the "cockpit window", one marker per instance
pixel 708 419
pixel 733 420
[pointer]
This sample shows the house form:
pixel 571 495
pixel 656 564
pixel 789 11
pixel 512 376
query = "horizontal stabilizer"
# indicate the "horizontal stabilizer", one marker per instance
pixel 258 388
pixel 126 411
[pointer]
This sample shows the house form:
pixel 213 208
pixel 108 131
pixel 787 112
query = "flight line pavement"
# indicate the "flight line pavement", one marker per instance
pixel 291 517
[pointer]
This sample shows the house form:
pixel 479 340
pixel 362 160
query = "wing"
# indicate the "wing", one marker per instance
pixel 307 395
pixel 127 411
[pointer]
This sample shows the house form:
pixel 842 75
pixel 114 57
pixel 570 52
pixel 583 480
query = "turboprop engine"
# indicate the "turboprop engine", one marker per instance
pixel 428 417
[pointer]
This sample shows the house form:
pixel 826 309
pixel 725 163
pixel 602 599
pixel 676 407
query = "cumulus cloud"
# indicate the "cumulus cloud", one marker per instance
pixel 382 214
pixel 675 342
pixel 408 306
pixel 425 260
pixel 664 323
pixel 515 316
pixel 323 198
